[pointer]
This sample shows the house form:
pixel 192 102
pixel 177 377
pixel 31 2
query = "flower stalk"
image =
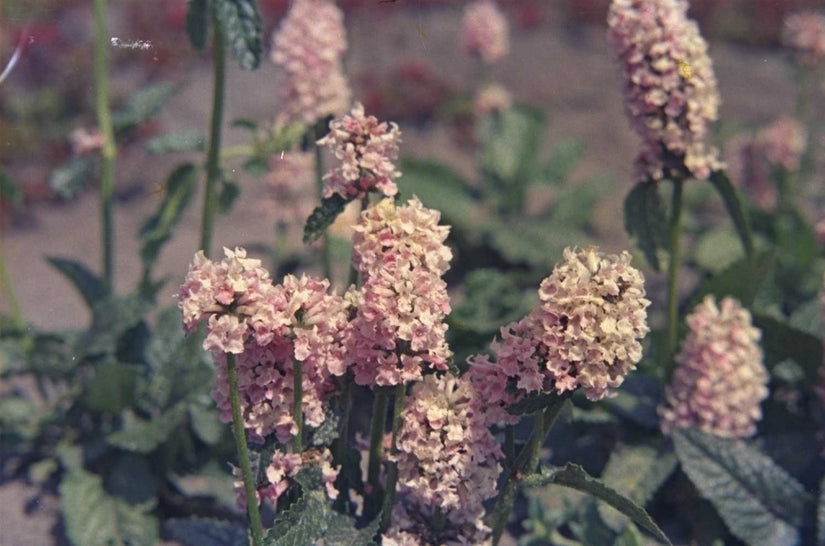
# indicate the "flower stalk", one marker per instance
pixel 392 466
pixel 213 169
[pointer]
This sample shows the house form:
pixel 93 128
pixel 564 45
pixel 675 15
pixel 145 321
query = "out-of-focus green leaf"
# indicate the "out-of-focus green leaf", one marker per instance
pixel 440 188
pixel 206 532
pixel 742 280
pixel 205 422
pixel 574 207
pixel 111 318
pixel 87 283
pixel 491 300
pixel 808 318
pixel 717 250
pixel 230 191
pixel 645 219
pixel 322 217
pixel 143 436
pixel 112 387
pixel 563 159
pixel 143 105
pixel 781 341
pixel 73 177
pixel 736 209
pixel 185 140
pixel 197 23
pixel 637 399
pixel 9 192
pixel 242 25
pixel 132 479
pixel 760 502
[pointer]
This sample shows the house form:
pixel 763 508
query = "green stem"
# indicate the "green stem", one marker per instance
pixel 298 406
pixel 243 452
pixel 509 445
pixel 392 467
pixel 326 266
pixel 673 274
pixel 340 454
pixel 213 168
pixel 108 150
pixel 379 417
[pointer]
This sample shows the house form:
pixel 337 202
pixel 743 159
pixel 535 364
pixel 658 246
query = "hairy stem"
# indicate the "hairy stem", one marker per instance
pixel 243 453
pixel 213 167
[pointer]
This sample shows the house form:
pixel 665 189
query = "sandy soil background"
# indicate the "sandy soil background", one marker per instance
pixel 566 70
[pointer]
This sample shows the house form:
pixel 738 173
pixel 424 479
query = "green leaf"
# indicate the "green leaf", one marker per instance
pixel 759 501
pixel 229 194
pixel 808 318
pixel 112 387
pixel 205 422
pixel 9 192
pixel 143 105
pixel 532 242
pixel 563 159
pixel 535 402
pixel 638 472
pixel 644 219
pixel 736 209
pixel 132 479
pixel 781 341
pixel 73 176
pixel 322 217
pixel 575 205
pixel 87 283
pixel 630 536
pixel 242 25
pixel 717 249
pixel 303 523
pixel 439 187
pixel 111 318
pixel 574 476
pixel 94 518
pixel 144 436
pixel 197 23
pixel 742 280
pixel 184 140
pixel 206 532
pixel 180 187
pixel 637 400
pixel 256 167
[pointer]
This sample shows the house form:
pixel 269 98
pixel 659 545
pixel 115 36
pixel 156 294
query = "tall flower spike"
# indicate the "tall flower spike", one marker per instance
pixel 308 46
pixel 484 31
pixel 447 462
pixel 670 90
pixel 804 33
pixel 367 150
pixel 720 380
pixel 399 326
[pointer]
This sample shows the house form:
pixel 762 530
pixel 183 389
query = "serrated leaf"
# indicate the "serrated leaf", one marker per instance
pixel 760 502
pixel 87 283
pixel 781 341
pixel 303 523
pixel 74 176
pixel 241 24
pixel 143 105
pixel 741 280
pixel 112 387
pixel 322 217
pixel 206 532
pixel 575 477
pixel 736 209
pixel 228 195
pixel 645 220
pixel 438 187
pixel 94 518
pixel 197 23
pixel 143 435
pixel 184 140
pixel 180 187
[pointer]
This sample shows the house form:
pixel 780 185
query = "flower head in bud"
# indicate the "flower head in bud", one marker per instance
pixel 484 31
pixel 720 380
pixel 804 33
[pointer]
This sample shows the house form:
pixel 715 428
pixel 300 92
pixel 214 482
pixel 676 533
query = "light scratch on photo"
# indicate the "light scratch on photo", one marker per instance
pixel 143 45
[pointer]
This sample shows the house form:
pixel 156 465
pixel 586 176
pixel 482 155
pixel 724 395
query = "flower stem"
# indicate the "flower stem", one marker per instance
pixel 673 274
pixel 326 266
pixel 392 466
pixel 213 168
pixel 243 452
pixel 298 406
pixel 379 417
pixel 108 150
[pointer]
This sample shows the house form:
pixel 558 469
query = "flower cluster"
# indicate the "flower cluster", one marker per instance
pixel 804 32
pixel 309 46
pixel 366 150
pixel 484 31
pixel 720 380
pixel 400 253
pixel 584 334
pixel 447 461
pixel 669 87
pixel 752 160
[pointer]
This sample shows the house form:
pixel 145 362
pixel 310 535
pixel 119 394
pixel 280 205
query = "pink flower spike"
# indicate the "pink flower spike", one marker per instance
pixel 804 33
pixel 485 32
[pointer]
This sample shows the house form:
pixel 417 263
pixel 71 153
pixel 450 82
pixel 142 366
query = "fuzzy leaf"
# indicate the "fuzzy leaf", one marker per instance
pixel 242 25
pixel 143 105
pixel 180 187
pixel 184 140
pixel 575 477
pixel 736 209
pixel 93 518
pixel 206 532
pixel 87 283
pixel 143 436
pixel 303 523
pixel 441 188
pixel 322 217
pixel 72 177
pixel 644 219
pixel 758 500
pixel 781 341
pixel 197 23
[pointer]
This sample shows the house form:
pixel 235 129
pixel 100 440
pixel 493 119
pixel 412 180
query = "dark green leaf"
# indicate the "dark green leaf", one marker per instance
pixel 88 284
pixel 808 318
pixel 742 280
pixel 736 209
pixel 438 187
pixel 644 219
pixel 185 140
pixel 132 479
pixel 197 23
pixel 205 422
pixel 759 502
pixel 241 24
pixel 491 300
pixel 112 387
pixel 180 187
pixel 243 123
pixel 303 523
pixel 229 193
pixel 341 531
pixel 256 167
pixel 637 400
pixel 143 105
pixel 9 192
pixel 93 518
pixel 143 436
pixel 781 341
pixel 111 318
pixel 322 217
pixel 73 177
pixel 206 532
pixel 574 476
